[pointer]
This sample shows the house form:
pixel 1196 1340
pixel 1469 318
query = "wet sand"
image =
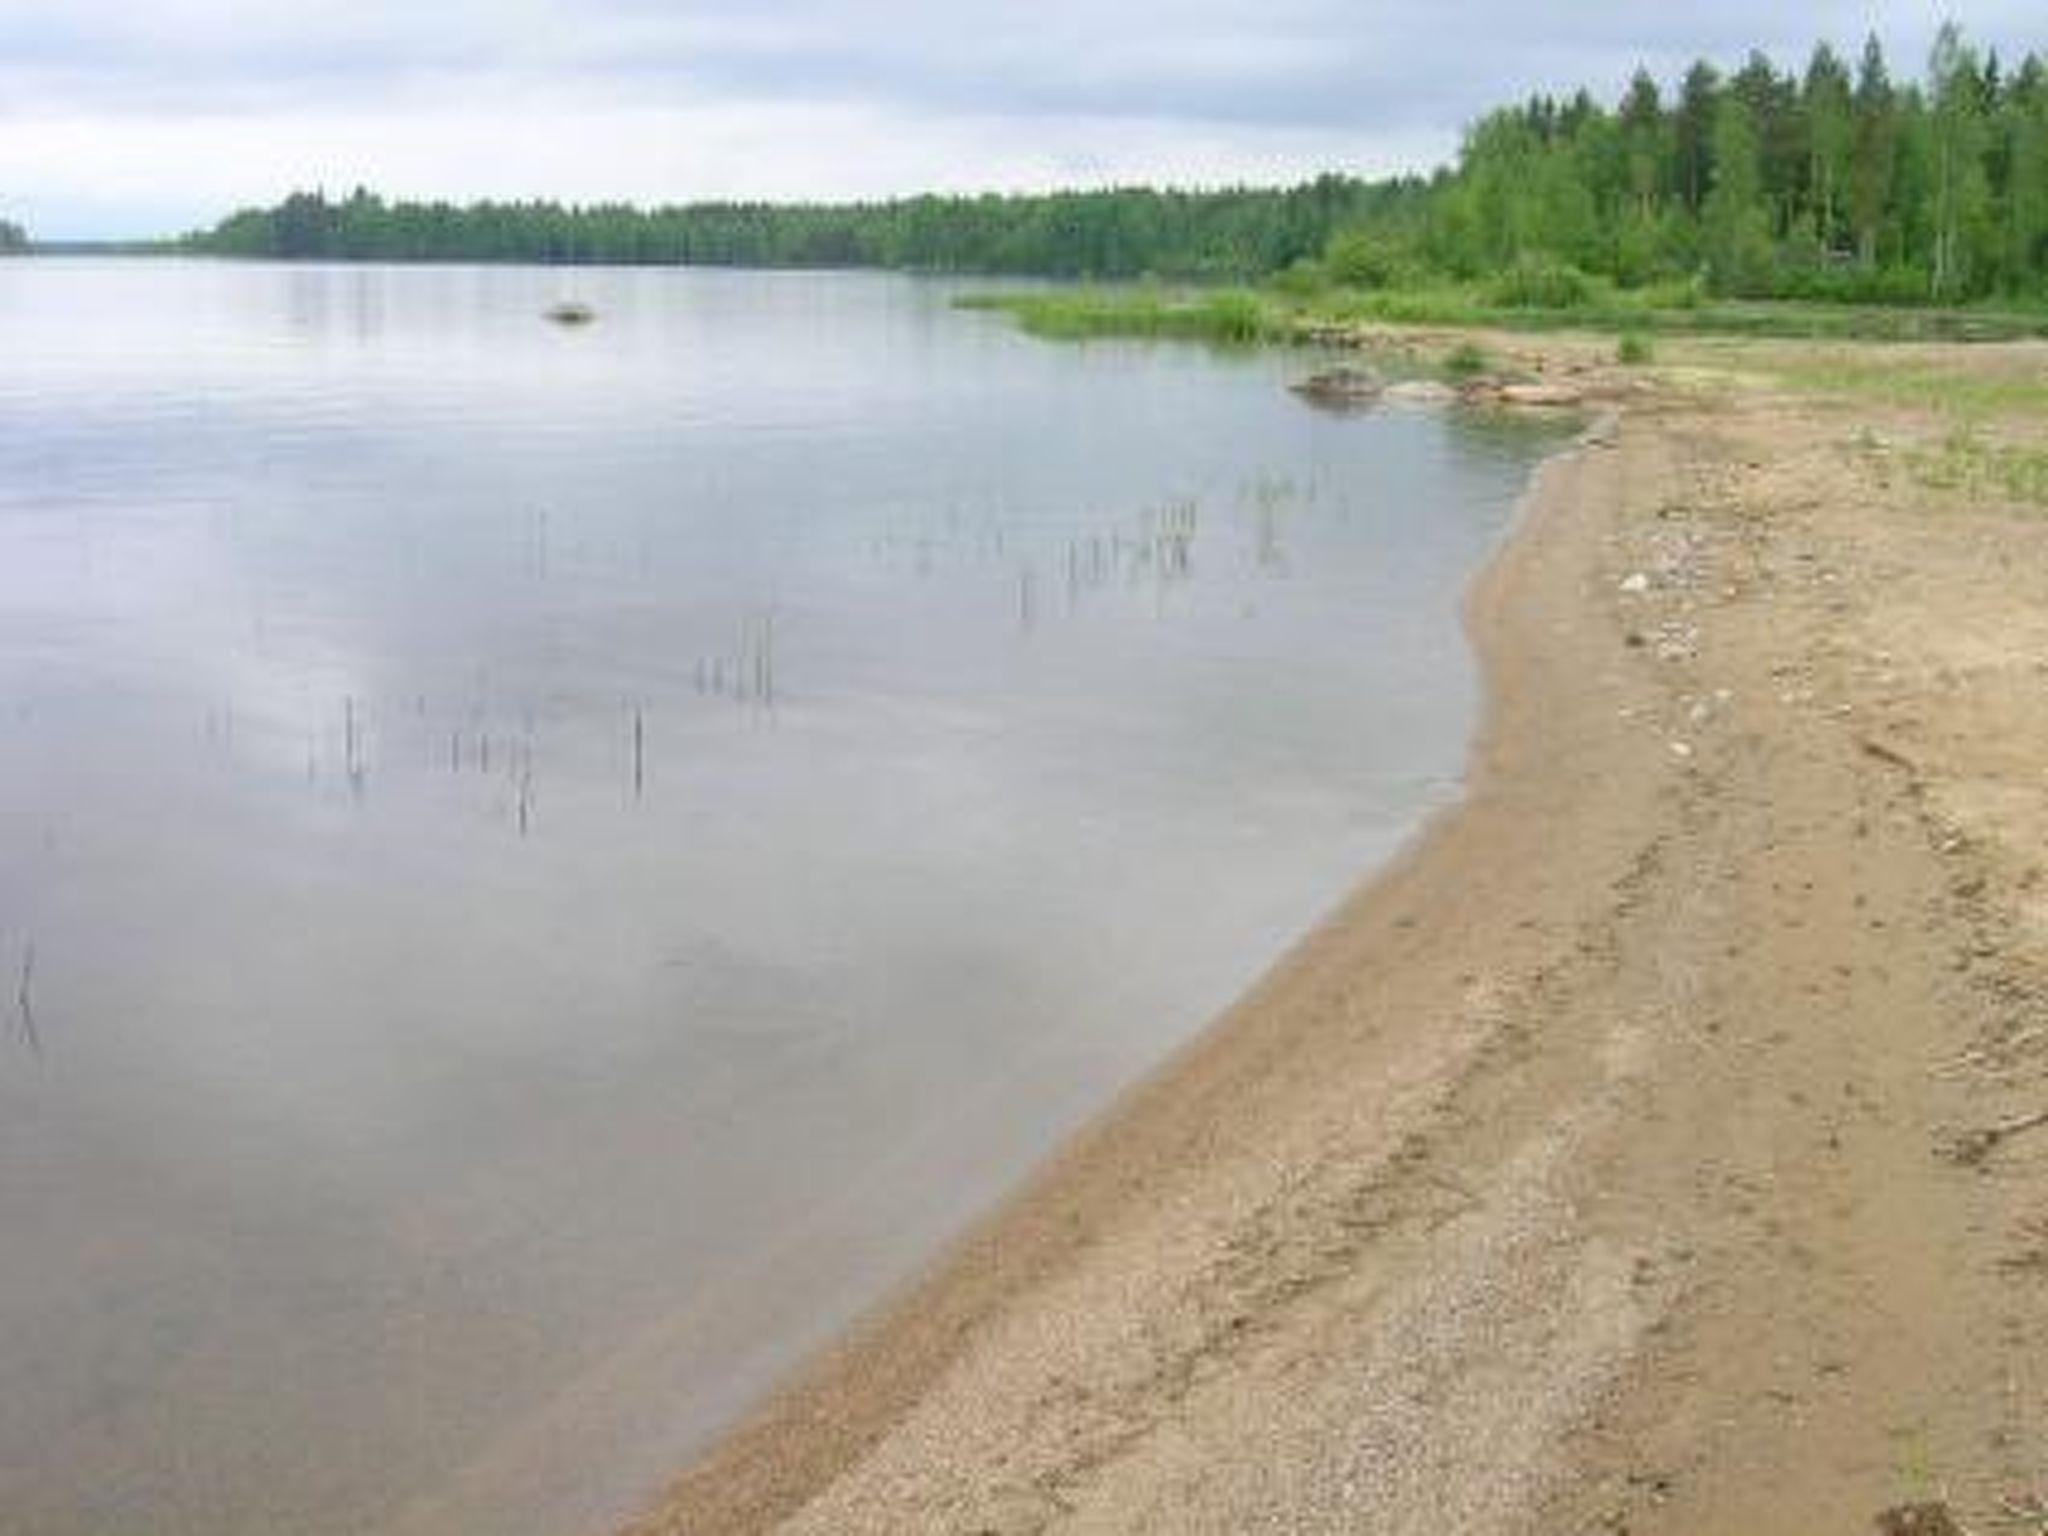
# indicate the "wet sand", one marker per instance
pixel 1649 1148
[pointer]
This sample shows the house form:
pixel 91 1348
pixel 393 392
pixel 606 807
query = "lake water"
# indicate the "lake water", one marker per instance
pixel 541 868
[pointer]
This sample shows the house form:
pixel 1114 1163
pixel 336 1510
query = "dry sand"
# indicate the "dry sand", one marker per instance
pixel 1623 1159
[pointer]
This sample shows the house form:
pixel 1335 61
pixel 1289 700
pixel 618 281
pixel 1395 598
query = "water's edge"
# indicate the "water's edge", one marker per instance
pixel 843 1398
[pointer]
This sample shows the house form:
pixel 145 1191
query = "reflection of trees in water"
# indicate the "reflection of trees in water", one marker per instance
pixel 25 1002
pixel 1269 496
pixel 746 673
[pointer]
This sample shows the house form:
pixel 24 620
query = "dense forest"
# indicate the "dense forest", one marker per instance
pixel 1834 181
pixel 1242 233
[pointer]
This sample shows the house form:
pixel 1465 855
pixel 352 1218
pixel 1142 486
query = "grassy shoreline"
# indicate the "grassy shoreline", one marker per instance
pixel 1244 316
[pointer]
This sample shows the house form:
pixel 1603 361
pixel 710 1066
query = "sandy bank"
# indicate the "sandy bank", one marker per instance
pixel 1607 1163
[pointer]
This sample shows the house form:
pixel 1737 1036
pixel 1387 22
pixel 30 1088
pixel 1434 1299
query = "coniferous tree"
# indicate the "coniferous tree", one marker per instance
pixel 1693 132
pixel 1772 103
pixel 1874 149
pixel 1643 135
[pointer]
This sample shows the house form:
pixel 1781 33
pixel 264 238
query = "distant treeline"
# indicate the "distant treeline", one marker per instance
pixel 1238 234
pixel 13 239
pixel 1832 182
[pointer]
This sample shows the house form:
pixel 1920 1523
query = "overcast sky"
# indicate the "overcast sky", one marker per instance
pixel 124 117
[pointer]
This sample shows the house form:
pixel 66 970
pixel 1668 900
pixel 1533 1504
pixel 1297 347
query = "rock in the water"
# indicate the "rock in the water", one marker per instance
pixel 1420 392
pixel 1344 386
pixel 571 312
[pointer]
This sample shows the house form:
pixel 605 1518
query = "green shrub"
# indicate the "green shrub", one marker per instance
pixel 1634 349
pixel 1467 360
pixel 1686 293
pixel 1532 283
pixel 1232 317
pixel 1638 254
pixel 1358 258
pixel 1304 279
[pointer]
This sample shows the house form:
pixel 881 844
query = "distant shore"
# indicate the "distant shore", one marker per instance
pixel 1638 1152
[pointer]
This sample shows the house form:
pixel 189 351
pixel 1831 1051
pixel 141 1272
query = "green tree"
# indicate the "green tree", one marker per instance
pixel 1829 110
pixel 1773 104
pixel 1873 149
pixel 1643 137
pixel 1961 193
pixel 1699 102
pixel 2025 120
pixel 1737 224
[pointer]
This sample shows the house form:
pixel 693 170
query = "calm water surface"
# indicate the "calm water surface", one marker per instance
pixel 540 869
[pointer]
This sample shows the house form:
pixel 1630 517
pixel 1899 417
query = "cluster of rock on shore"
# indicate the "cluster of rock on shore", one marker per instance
pixel 1352 387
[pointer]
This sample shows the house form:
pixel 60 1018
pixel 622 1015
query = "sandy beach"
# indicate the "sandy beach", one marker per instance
pixel 1656 1145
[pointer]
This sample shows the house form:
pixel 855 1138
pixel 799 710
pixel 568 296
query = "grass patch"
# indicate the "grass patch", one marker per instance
pixel 1467 360
pixel 1224 316
pixel 1970 465
pixel 1681 312
pixel 1634 350
pixel 1533 298
pixel 1923 386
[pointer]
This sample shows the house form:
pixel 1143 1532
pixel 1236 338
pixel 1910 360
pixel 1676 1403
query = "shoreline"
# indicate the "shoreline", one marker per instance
pixel 844 1399
pixel 1480 1211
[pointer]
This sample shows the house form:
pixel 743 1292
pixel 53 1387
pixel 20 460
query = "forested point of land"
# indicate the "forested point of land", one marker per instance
pixel 13 239
pixel 1835 181
pixel 1236 234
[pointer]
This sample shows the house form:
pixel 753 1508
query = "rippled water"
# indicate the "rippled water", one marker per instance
pixel 541 868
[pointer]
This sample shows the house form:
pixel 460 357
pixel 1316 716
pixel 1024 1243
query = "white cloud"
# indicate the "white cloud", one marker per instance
pixel 125 116
pixel 773 150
